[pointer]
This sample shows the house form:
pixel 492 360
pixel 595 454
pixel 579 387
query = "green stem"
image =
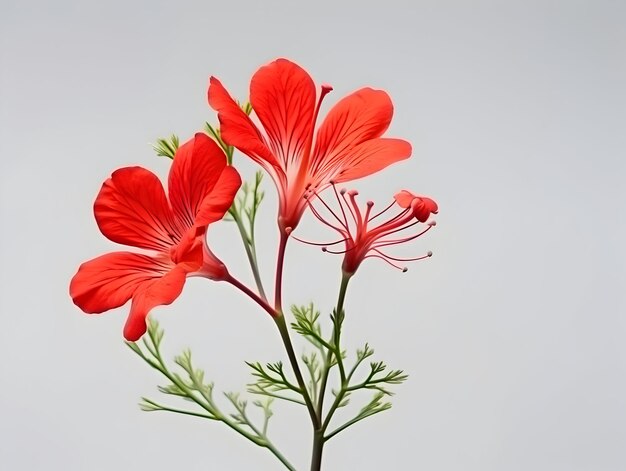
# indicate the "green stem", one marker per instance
pixel 318 447
pixel 284 330
pixel 266 441
pixel 255 297
pixel 284 334
pixel 280 262
pixel 318 437
pixel 348 424
pixel 249 245
pixel 280 457
pixel 336 337
pixel 186 412
pixel 278 396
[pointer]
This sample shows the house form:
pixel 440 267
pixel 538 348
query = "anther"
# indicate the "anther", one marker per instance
pixel 429 253
pixel 370 203
pixel 405 269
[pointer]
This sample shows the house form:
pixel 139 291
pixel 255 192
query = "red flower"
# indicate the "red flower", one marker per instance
pixel 348 144
pixel 132 209
pixel 363 241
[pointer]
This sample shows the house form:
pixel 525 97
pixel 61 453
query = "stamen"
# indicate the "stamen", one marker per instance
pixel 381 212
pixel 343 212
pixel 321 218
pixel 325 249
pixel 332 212
pixel 322 244
pixel 358 219
pixel 306 154
pixel 326 89
pixel 399 259
pixel 402 269
pixel 399 219
pixel 385 243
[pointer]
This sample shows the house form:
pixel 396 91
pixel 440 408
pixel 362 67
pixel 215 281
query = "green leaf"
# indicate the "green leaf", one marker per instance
pixel 167 147
pixel 148 405
pixel 306 324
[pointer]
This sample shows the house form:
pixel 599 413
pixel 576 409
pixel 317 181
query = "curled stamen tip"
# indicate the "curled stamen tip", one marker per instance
pixel 429 253
pixel 353 192
pixel 405 269
pixel 326 88
pixel 370 203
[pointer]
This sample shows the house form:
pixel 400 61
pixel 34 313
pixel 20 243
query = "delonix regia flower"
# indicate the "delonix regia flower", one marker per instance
pixel 348 144
pixel 132 209
pixel 364 238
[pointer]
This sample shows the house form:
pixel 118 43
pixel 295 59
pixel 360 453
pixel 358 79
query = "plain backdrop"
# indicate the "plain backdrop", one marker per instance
pixel 512 333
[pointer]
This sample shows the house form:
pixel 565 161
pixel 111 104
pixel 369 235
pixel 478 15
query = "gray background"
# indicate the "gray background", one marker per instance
pixel 513 333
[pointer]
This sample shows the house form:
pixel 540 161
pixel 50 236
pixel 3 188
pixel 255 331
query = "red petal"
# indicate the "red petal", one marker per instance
pixel 371 157
pixel 196 169
pixel 422 206
pixel 109 281
pixel 282 95
pixel 215 204
pixel 132 209
pixel 237 129
pixel 404 198
pixel 158 292
pixel 359 117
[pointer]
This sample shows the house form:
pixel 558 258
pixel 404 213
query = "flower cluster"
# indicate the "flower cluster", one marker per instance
pixel 302 159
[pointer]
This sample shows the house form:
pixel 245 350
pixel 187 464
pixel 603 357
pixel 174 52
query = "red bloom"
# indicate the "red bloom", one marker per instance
pixel 132 209
pixel 348 144
pixel 361 240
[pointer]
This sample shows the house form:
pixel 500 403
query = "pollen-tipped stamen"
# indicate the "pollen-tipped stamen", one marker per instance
pixel 385 243
pixel 339 252
pixel 343 212
pixel 402 259
pixel 402 269
pixel 322 219
pixel 382 212
pixel 304 163
pixel 318 196
pixel 353 207
pixel 370 205
pixel 319 244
